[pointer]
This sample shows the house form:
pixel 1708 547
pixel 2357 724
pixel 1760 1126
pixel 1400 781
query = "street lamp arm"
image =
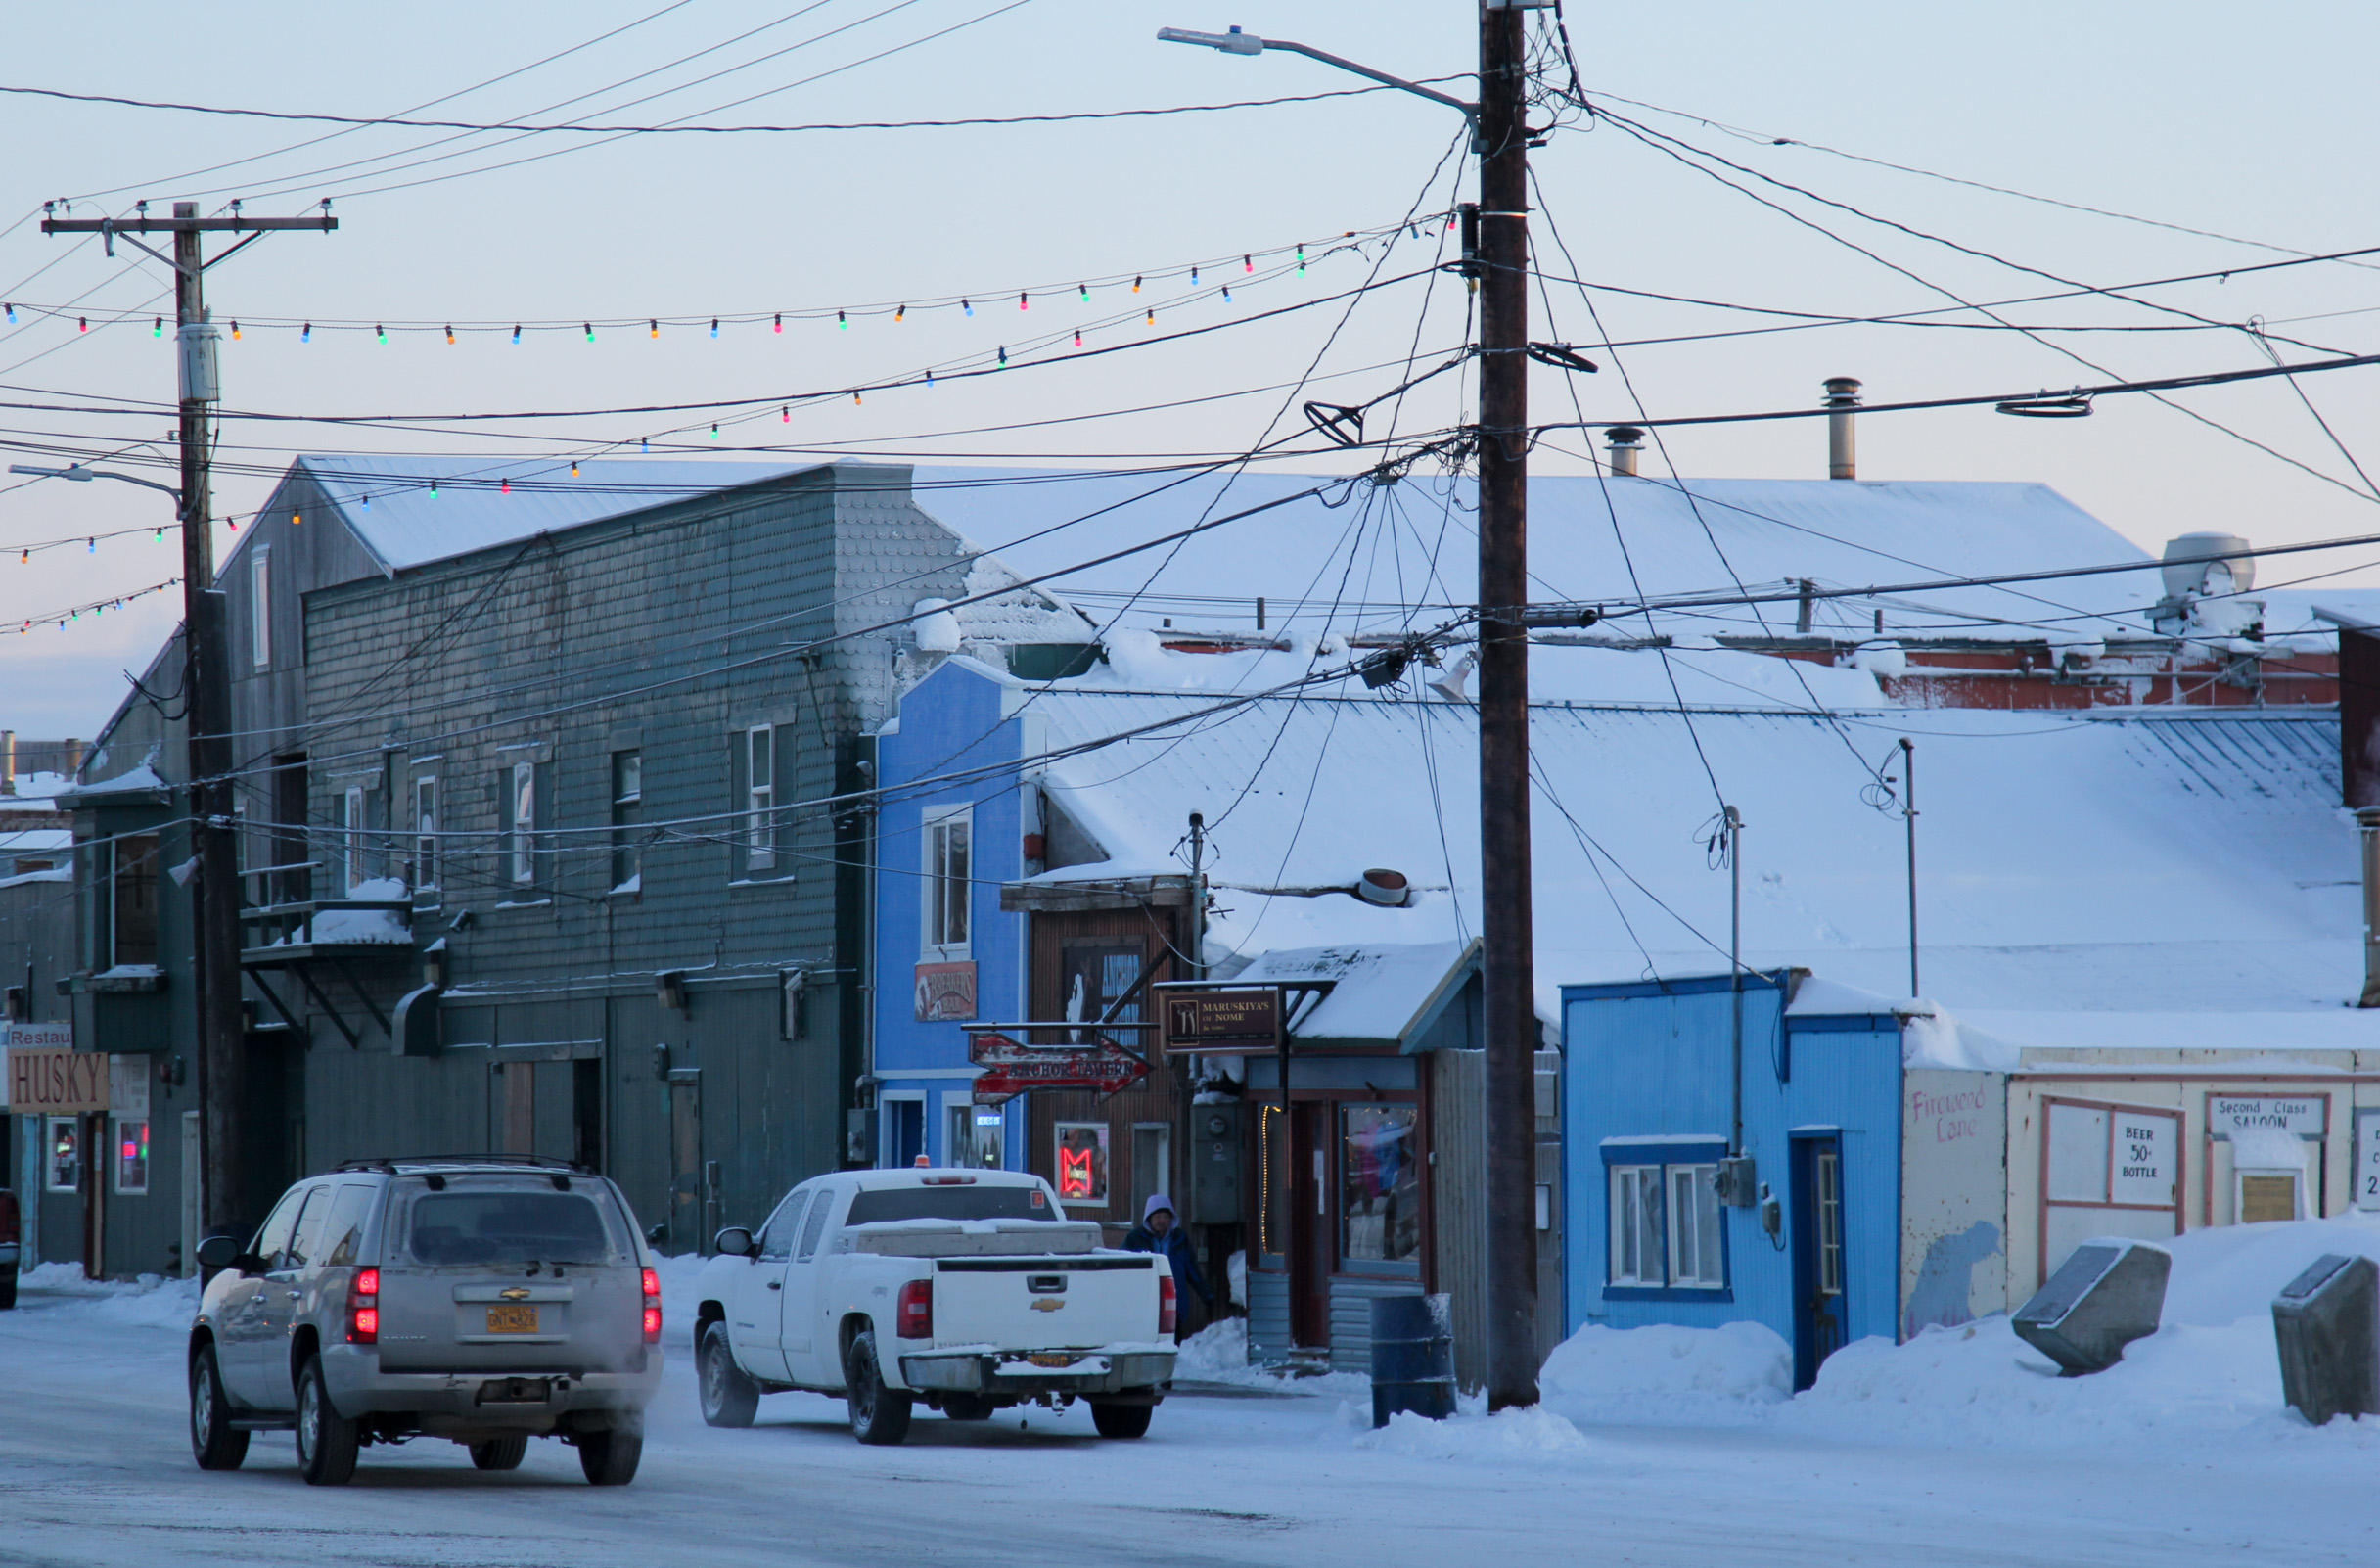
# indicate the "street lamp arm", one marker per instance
pixel 1236 42
pixel 83 475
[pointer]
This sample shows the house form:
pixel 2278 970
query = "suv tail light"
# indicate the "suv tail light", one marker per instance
pixel 1168 1309
pixel 916 1314
pixel 363 1308
pixel 653 1307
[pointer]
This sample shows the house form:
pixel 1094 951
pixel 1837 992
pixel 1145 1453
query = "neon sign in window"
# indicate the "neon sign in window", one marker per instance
pixel 1082 1163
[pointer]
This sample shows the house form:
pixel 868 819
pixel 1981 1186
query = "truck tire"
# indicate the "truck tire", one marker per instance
pixel 7 1289
pixel 499 1454
pixel 967 1406
pixel 729 1397
pixel 1115 1420
pixel 610 1458
pixel 212 1442
pixel 326 1439
pixel 880 1415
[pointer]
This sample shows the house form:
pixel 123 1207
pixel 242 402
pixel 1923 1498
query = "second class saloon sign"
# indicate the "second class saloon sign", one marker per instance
pixel 1222 1021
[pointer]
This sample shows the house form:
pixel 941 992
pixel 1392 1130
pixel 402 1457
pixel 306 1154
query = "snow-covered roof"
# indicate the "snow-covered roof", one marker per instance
pixel 404 525
pixel 33 792
pixel 2066 861
pixel 141 780
pixel 1383 991
pixel 1414 543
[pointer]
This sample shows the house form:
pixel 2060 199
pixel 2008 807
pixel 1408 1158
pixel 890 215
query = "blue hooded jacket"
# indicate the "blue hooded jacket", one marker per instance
pixel 1173 1246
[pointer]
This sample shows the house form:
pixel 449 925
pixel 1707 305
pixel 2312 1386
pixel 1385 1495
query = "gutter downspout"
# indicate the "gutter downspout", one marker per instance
pixel 1735 827
pixel 2367 827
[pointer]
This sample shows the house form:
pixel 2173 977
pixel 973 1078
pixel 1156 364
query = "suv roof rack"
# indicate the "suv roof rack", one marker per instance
pixel 389 1164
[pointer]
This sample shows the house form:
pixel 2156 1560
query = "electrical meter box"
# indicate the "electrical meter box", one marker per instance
pixel 1214 1164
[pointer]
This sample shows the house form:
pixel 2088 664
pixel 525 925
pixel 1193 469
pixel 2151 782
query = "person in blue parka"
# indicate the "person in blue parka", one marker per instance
pixel 1158 1233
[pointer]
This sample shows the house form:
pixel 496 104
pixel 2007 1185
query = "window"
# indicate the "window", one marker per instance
pixel 132 915
pixel 1379 1188
pixel 761 799
pixel 310 1223
pixel 1668 1232
pixel 1152 1164
pixel 261 606
pixel 1082 1164
pixel 275 1233
pixel 522 834
pixel 1094 977
pixel 1636 1226
pixel 345 1234
pixel 987 1201
pixel 777 1236
pixel 131 1158
pixel 64 1154
pixel 351 835
pixel 1826 1176
pixel 2107 1170
pixel 949 873
pixel 627 796
pixel 1695 1244
pixel 815 1226
pixel 425 834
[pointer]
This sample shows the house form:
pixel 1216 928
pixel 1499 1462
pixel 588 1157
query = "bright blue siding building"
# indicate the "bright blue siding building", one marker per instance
pixel 1648 1108
pixel 943 851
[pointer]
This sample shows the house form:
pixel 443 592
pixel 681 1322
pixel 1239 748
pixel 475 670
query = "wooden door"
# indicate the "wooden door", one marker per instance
pixel 1310 1229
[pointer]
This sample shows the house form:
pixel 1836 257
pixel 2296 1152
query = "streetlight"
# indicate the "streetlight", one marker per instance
pixel 83 476
pixel 1237 42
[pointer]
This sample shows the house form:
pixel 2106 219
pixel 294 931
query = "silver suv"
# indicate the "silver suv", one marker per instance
pixel 487 1299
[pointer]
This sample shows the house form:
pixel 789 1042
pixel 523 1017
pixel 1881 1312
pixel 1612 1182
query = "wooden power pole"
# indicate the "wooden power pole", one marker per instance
pixel 1509 980
pixel 206 666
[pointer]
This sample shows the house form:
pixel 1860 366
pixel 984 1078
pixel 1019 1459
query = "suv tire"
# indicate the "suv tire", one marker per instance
pixel 1114 1420
pixel 729 1397
pixel 326 1439
pixel 212 1440
pixel 610 1458
pixel 499 1454
pixel 880 1415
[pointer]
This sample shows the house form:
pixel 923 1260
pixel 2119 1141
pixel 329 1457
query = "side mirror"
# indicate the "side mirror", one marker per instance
pixel 735 1241
pixel 220 1250
pixel 655 1231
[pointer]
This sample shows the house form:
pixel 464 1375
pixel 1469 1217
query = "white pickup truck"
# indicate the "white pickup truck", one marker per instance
pixel 968 1290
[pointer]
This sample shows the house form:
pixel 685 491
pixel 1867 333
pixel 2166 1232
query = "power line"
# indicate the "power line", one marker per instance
pixel 667 129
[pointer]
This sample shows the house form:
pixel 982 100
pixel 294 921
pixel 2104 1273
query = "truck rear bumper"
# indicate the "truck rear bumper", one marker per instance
pixel 532 1402
pixel 1091 1372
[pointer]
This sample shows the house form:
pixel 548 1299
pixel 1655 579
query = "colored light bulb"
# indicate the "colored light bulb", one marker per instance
pixel 1003 356
pixel 652 329
pixel 12 315
pixel 588 328
pixel 516 337
pixel 901 315
pixel 714 325
pixel 785 415
pixel 1023 304
pixel 157 325
pixel 82 323
pixel 367 500
pixel 780 326
pixel 1077 337
pixel 306 334
pixel 380 333
pixel 235 332
pixel 1194 277
pixel 1152 316
pixel 1086 291
pixel 1226 294
pixel 1136 286
pixel 714 431
pixel 967 306
pixel 574 467
pixel 503 488
pixel 644 444
pixel 855 395
pixel 434 489
pixel 450 335
pixel 842 323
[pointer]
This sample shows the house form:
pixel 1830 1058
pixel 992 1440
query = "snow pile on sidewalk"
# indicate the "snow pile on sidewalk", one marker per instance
pixel 2209 1375
pixel 1219 1353
pixel 1504 1438
pixel 1662 1373
pixel 150 1301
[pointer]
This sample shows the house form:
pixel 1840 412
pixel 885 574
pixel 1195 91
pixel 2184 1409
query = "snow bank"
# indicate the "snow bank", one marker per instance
pixel 150 1301
pixel 1219 1353
pixel 1659 1373
pixel 1504 1438
pixel 2209 1377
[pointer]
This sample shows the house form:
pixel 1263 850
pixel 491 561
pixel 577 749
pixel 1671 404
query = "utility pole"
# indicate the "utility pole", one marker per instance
pixel 1506 925
pixel 207 684
pixel 1908 814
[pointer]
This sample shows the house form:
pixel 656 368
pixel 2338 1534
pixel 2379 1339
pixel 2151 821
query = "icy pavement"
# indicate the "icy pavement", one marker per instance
pixel 1664 1448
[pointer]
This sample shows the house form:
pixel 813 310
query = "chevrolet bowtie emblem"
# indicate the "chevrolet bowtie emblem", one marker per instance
pixel 1048 1303
pixel 514 1293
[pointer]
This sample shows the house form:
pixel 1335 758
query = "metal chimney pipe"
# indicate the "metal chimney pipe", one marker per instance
pixel 1841 440
pixel 8 761
pixel 2368 828
pixel 1625 441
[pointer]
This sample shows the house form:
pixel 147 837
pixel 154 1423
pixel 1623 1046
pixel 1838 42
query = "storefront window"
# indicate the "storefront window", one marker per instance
pixel 66 1154
pixel 1082 1163
pixel 132 1157
pixel 1380 1186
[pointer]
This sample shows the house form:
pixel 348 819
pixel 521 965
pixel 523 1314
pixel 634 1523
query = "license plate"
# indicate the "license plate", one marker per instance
pixel 1046 1359
pixel 513 1317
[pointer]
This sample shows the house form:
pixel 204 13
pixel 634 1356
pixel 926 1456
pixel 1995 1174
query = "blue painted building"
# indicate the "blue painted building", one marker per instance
pixel 1855 1228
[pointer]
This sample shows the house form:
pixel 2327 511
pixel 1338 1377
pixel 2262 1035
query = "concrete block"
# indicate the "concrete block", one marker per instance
pixel 2326 1326
pixel 2107 1294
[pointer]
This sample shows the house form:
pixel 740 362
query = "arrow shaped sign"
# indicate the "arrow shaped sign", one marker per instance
pixel 1013 1067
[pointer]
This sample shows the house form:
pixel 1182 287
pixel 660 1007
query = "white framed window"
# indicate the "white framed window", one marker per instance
pixel 949 842
pixel 351 831
pixel 426 833
pixel 761 798
pixel 1697 1252
pixel 131 1157
pixel 62 1154
pixel 261 606
pixel 1636 1226
pixel 524 835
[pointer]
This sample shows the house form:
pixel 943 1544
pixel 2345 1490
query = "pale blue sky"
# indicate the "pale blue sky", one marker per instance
pixel 2252 123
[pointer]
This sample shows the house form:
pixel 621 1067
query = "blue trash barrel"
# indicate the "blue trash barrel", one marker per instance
pixel 1412 1356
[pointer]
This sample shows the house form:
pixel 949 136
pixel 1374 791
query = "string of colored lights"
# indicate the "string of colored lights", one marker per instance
pixel 1247 267
pixel 74 613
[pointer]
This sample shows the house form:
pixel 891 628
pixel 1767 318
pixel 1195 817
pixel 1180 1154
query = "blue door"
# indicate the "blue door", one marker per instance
pixel 1821 1325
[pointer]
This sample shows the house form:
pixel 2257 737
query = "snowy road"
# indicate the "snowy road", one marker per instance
pixel 98 1471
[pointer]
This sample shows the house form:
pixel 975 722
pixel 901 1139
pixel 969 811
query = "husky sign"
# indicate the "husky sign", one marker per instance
pixel 48 1076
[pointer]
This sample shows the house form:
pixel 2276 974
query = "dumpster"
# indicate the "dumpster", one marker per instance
pixel 1412 1356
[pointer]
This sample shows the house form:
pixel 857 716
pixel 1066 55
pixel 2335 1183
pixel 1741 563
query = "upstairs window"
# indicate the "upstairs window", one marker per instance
pixel 950 879
pixel 351 835
pixel 761 799
pixel 521 825
pixel 261 606
pixel 132 897
pixel 627 800
pixel 425 834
